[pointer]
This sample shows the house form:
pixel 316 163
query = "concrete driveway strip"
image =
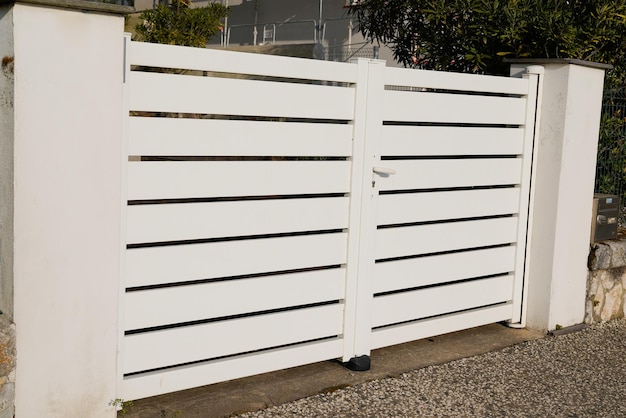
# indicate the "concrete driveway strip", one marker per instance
pixel 581 374
pixel 262 391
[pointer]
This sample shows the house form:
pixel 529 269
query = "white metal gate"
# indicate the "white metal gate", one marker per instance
pixel 285 211
pixel 447 227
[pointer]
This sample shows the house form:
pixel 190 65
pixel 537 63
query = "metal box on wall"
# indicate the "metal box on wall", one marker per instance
pixel 604 217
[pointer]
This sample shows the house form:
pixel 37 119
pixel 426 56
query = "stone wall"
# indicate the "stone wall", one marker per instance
pixel 606 282
pixel 7 368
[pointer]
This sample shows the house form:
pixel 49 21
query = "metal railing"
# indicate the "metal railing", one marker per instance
pixel 274 26
pixel 345 53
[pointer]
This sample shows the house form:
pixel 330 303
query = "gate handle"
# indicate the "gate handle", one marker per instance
pixel 383 170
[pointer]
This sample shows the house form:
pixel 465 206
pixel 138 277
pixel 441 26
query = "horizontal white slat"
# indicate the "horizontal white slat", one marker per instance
pixel 423 303
pixel 169 56
pixel 431 238
pixel 453 108
pixel 398 334
pixel 212 137
pixel 423 207
pixel 171 305
pixel 205 341
pixel 401 140
pixel 187 221
pixel 170 264
pixel 426 174
pixel 426 271
pixel 186 377
pixel 455 81
pixel 189 179
pixel 155 92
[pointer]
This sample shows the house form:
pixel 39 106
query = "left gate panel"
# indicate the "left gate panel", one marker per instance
pixel 237 216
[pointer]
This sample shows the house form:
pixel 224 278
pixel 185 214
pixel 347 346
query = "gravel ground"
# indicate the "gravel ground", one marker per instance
pixel 575 375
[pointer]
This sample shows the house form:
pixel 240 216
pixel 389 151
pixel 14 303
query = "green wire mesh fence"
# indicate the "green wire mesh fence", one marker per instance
pixel 611 163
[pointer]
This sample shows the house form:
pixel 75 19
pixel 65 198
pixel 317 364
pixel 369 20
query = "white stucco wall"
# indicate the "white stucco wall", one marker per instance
pixel 68 130
pixel 575 199
pixel 564 185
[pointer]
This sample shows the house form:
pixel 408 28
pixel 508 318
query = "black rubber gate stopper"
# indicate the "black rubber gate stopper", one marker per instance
pixel 359 364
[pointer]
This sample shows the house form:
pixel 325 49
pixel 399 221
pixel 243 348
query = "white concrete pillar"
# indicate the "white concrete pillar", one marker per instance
pixel 65 137
pixel 564 184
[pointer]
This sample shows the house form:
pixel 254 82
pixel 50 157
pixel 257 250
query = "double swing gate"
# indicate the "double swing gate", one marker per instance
pixel 285 211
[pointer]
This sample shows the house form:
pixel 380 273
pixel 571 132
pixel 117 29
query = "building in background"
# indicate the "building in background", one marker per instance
pixel 320 29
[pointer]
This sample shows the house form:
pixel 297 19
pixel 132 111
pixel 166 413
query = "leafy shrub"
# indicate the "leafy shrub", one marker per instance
pixel 476 35
pixel 178 24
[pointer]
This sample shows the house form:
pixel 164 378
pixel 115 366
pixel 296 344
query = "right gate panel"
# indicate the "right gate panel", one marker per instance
pixel 451 219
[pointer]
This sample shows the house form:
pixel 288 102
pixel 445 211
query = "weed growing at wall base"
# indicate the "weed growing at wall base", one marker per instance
pixel 122 406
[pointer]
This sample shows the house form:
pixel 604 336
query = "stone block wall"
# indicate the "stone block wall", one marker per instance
pixel 7 368
pixel 606 282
